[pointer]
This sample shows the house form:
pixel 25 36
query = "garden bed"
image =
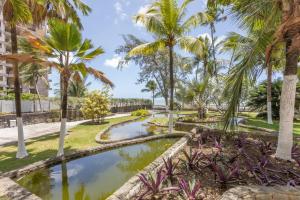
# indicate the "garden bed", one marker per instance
pixel 212 164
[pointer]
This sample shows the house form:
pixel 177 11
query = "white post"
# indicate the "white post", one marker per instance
pixel 63 131
pixel 287 106
pixel 21 153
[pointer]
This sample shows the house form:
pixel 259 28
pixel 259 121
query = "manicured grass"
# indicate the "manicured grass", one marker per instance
pixel 161 120
pixel 186 112
pixel 275 126
pixel 80 137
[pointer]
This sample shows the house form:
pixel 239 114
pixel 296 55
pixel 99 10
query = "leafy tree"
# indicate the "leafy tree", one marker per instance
pixel 153 66
pixel 165 20
pixel 151 87
pixel 258 97
pixel 96 106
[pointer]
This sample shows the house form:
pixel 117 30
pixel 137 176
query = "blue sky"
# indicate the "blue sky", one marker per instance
pixel 109 20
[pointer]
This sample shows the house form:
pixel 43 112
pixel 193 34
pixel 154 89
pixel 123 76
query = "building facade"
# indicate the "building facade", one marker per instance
pixel 6 70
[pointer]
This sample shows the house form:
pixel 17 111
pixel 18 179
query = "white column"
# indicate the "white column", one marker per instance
pixel 62 134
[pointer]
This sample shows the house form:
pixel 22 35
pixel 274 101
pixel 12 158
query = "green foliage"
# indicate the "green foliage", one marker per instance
pixel 140 113
pixel 24 96
pixel 258 98
pixel 96 106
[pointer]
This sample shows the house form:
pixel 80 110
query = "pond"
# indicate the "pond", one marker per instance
pixel 134 129
pixel 96 176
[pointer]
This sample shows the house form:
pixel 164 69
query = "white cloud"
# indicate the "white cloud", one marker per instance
pixel 113 62
pixel 120 12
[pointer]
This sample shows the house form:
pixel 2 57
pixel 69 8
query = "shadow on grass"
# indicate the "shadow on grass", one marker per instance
pixel 8 160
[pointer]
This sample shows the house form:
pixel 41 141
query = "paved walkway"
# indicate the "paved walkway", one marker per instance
pixel 10 135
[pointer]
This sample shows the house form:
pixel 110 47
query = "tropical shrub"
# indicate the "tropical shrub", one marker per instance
pixel 96 106
pixel 258 98
pixel 140 113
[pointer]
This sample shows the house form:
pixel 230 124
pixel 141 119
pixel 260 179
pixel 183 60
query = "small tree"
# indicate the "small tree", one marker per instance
pixel 96 106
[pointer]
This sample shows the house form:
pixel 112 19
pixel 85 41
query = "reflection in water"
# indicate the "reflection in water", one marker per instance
pixel 65 181
pixel 132 129
pixel 96 176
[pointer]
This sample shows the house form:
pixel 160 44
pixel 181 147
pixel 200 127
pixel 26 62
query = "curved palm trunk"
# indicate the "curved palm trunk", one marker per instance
pixel 171 107
pixel 63 125
pixel 269 94
pixel 21 153
pixel 287 104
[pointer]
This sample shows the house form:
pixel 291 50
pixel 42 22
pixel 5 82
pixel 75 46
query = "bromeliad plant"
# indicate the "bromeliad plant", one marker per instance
pixel 190 190
pixel 153 185
pixel 225 175
pixel 191 159
pixel 169 168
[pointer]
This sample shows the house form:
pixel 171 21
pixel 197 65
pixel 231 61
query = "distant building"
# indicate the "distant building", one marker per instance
pixel 6 70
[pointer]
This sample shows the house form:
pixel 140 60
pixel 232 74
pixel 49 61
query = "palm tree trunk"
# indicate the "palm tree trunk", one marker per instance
pixel 38 94
pixel 63 125
pixel 269 94
pixel 171 107
pixel 152 99
pixel 21 153
pixel 287 103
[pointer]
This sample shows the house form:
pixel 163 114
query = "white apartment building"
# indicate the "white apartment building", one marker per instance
pixel 6 71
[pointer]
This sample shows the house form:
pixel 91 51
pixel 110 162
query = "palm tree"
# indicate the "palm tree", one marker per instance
pixel 16 12
pixel 23 12
pixel 281 17
pixel 151 86
pixel 31 75
pixel 78 88
pixel 165 20
pixel 71 54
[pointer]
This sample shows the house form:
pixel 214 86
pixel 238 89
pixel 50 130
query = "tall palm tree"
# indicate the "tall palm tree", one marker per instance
pixel 70 56
pixel 165 20
pixel 151 86
pixel 16 12
pixel 283 17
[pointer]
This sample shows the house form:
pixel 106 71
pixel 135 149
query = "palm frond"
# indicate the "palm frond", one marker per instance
pixel 148 48
pixel 100 76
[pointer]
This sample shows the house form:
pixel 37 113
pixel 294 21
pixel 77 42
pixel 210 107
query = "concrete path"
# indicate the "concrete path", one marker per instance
pixel 10 135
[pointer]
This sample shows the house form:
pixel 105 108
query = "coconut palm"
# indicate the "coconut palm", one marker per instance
pixel 70 55
pixel 283 18
pixel 165 20
pixel 151 86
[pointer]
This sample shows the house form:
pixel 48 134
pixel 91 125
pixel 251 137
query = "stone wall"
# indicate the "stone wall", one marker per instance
pixel 11 190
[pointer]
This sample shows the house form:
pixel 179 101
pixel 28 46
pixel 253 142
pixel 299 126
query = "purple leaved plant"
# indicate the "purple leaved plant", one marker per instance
pixel 190 190
pixel 153 185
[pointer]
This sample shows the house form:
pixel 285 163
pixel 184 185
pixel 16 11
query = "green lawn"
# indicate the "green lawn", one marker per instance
pixel 186 112
pixel 80 137
pixel 161 120
pixel 275 126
